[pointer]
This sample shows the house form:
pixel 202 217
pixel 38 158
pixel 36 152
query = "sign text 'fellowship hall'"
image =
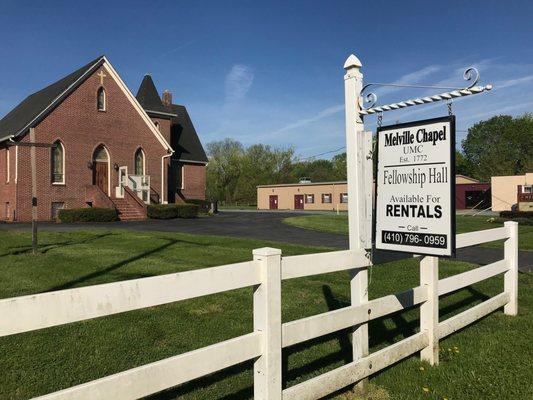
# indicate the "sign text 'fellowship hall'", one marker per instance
pixel 415 210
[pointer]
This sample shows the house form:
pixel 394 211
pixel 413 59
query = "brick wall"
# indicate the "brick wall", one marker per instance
pixel 7 186
pixel 164 127
pixel 194 178
pixel 81 128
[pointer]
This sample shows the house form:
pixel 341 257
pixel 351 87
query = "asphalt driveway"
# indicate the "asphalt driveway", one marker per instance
pixel 264 226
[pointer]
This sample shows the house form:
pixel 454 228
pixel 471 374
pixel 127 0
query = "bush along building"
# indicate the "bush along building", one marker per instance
pixel 95 144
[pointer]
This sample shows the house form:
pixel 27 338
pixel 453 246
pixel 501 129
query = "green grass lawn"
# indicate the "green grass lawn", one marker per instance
pixel 488 360
pixel 465 223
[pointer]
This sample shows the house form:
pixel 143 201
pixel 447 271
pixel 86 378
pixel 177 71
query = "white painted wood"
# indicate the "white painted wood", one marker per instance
pixel 154 377
pixel 346 375
pixel 322 263
pixel 318 325
pixel 353 82
pixel 267 320
pixel 359 296
pixel 27 313
pixel 429 311
pixel 478 237
pixel 511 276
pixel 369 186
pixel 468 278
pixel 459 321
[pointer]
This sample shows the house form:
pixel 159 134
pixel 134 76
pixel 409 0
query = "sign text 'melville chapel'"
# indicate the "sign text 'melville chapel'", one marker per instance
pixel 413 143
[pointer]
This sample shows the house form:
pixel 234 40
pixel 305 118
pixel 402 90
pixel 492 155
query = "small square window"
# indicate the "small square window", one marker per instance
pixel 344 197
pixel 309 198
pixel 56 206
pixel 326 198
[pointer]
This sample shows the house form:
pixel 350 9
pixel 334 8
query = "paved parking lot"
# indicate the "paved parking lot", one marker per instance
pixel 266 225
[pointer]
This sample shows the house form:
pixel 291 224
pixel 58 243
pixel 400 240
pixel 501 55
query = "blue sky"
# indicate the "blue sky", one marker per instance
pixel 271 72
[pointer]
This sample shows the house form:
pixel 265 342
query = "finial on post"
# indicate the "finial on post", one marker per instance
pixel 352 62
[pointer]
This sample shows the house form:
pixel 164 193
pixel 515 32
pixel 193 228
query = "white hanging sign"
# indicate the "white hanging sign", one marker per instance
pixel 415 205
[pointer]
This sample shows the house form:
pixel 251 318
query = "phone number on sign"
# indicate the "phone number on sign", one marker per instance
pixel 415 239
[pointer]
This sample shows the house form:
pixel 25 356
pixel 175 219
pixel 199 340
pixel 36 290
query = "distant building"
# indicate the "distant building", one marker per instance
pixel 512 192
pixel 470 193
pixel 330 196
pixel 303 196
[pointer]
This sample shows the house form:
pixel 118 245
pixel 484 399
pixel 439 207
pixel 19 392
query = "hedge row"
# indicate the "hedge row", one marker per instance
pixel 203 205
pixel 170 211
pixel 522 217
pixel 90 214
pixel 516 214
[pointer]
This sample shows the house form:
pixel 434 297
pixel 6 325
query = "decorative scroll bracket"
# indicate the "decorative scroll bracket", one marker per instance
pixel 471 74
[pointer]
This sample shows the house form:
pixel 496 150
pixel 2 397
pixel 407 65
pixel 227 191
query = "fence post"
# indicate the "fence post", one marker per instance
pixel 429 310
pixel 511 276
pixel 357 227
pixel 267 320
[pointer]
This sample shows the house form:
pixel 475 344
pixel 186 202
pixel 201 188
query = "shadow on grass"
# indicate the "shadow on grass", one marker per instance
pixel 406 324
pixel 46 248
pixel 213 379
pixel 113 267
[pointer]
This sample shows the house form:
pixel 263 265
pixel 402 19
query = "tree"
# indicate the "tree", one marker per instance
pixel 502 145
pixel 224 169
pixel 234 172
pixel 317 170
pixel 339 167
pixel 462 165
pixel 262 165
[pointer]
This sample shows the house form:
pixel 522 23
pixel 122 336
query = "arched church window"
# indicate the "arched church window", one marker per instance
pixel 100 99
pixel 139 162
pixel 58 163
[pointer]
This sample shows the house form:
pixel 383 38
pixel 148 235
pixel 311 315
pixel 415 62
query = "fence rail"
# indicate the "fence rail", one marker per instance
pixel 265 343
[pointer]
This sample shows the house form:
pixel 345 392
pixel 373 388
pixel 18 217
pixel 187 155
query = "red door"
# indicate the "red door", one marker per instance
pixel 273 201
pixel 100 175
pixel 298 201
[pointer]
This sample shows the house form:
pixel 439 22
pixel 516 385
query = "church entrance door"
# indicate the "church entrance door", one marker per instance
pixel 100 175
pixel 101 169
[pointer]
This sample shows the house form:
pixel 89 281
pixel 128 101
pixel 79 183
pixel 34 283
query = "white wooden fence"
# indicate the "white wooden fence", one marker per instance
pixel 265 343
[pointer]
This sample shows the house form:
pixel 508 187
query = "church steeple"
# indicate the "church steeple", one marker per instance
pixel 148 97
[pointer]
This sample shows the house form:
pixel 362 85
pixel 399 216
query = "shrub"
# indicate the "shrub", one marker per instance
pixel 90 214
pixel 204 205
pixel 170 211
pixel 516 214
pixel 522 217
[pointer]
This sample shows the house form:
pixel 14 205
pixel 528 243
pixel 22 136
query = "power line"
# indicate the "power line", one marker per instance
pixel 321 154
pixel 343 147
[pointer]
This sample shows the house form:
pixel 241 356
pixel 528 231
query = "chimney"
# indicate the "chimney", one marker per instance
pixel 167 98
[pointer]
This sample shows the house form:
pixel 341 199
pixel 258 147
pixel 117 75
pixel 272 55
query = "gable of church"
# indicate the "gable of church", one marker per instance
pixel 98 73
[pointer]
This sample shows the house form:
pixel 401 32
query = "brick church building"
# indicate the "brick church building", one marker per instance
pixel 95 144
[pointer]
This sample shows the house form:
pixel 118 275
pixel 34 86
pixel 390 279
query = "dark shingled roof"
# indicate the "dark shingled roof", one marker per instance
pixel 148 97
pixel 183 137
pixel 31 110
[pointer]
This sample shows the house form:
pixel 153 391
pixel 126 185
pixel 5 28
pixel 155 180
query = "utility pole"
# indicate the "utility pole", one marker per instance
pixel 33 166
pixel 34 214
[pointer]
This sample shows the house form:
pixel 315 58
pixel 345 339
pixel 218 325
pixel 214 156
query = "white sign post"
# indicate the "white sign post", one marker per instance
pixel 415 205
